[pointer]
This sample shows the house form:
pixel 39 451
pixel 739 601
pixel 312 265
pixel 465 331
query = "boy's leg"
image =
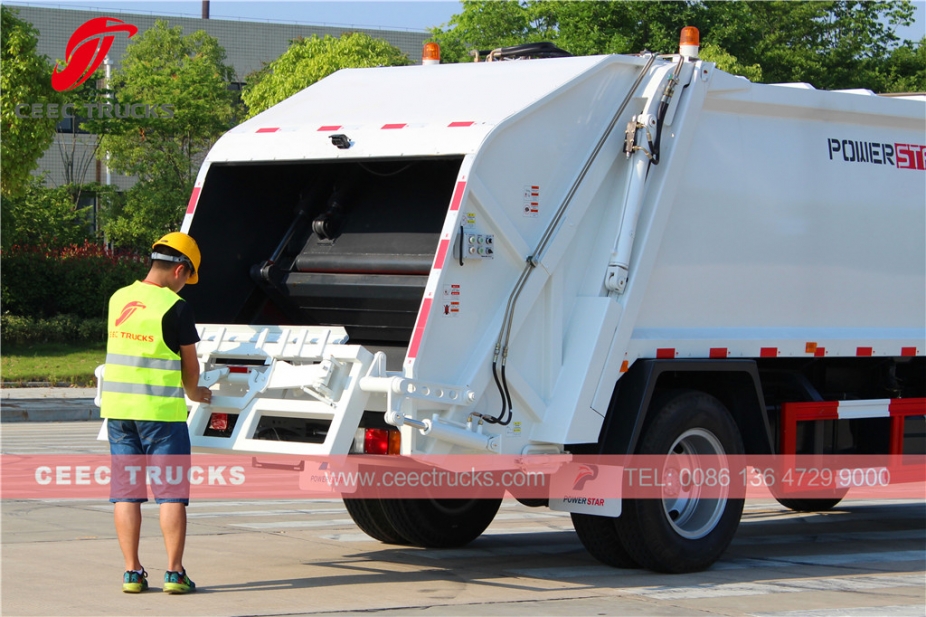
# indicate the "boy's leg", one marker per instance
pixel 127 517
pixel 173 527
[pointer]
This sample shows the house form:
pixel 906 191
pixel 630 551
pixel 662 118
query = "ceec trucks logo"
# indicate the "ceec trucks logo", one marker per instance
pixel 128 310
pixel 86 50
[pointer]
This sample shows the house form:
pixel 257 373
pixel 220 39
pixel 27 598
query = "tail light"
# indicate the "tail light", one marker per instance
pixel 381 441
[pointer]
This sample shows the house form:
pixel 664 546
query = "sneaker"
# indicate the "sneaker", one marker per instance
pixel 133 582
pixel 178 582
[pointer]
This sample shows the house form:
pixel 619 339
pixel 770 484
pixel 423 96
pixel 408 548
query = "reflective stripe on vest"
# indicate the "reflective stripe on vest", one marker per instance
pixel 142 379
pixel 139 362
pixel 134 388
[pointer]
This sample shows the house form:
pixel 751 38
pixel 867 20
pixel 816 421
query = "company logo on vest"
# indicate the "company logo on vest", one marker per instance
pixel 128 310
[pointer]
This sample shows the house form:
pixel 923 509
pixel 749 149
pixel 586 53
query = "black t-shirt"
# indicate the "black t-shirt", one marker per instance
pixel 179 326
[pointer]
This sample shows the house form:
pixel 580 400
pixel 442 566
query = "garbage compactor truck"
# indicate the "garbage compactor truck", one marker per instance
pixel 604 255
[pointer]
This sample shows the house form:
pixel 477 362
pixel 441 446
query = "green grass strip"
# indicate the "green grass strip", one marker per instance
pixel 55 363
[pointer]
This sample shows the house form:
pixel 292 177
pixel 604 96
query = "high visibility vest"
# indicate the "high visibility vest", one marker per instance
pixel 142 378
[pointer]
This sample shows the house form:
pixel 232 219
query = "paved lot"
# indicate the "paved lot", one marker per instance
pixel 47 404
pixel 306 557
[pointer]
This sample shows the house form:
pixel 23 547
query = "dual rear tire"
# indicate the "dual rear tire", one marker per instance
pixel 428 523
pixel 687 528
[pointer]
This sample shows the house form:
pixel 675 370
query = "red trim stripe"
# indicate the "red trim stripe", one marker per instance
pixel 820 410
pixel 907 407
pixel 441 254
pixel 768 352
pixel 194 199
pixel 393 126
pixel 330 127
pixel 457 196
pixel 454 125
pixel 665 352
pixel 269 129
pixel 420 323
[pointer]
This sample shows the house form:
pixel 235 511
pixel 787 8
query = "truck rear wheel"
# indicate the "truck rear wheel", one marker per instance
pixel 370 517
pixel 810 505
pixel 600 538
pixel 440 523
pixel 685 531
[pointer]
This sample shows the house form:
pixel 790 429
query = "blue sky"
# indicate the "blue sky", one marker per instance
pixel 408 14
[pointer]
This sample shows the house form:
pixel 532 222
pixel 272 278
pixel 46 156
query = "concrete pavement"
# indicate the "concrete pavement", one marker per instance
pixel 47 404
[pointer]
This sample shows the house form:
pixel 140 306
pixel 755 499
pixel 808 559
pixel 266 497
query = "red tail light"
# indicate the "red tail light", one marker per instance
pixel 381 441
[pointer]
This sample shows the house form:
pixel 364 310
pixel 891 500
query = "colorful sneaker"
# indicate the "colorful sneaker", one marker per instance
pixel 178 582
pixel 133 582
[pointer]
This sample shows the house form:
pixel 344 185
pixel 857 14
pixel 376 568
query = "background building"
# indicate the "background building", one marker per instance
pixel 248 46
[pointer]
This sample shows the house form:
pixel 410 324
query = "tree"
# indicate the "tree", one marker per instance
pixel 905 70
pixel 837 44
pixel 309 60
pixel 182 83
pixel 25 78
pixel 40 216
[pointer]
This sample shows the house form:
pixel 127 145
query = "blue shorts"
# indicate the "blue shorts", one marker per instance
pixel 155 454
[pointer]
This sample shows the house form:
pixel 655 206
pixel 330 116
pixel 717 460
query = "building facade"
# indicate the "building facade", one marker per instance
pixel 248 46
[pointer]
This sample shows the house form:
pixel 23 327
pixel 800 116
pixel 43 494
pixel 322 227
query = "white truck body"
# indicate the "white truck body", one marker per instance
pixel 781 225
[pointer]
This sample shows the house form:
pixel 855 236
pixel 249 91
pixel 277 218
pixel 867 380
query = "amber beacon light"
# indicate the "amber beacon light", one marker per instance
pixel 430 54
pixel 689 42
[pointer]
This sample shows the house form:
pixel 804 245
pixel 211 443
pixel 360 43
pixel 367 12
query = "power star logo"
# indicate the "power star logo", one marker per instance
pixel 128 310
pixel 586 473
pixel 86 50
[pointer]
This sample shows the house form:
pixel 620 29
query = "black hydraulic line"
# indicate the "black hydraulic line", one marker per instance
pixel 507 398
pixel 501 392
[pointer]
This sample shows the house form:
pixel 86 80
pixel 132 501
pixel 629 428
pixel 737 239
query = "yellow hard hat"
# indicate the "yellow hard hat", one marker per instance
pixel 187 247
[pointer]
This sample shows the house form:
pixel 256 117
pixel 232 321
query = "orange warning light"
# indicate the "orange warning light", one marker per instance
pixel 690 36
pixel 688 42
pixel 430 54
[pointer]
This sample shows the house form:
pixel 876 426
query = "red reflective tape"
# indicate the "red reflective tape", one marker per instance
pixel 453 125
pixel 330 127
pixel 665 352
pixel 420 323
pixel 768 352
pixel 718 352
pixel 907 407
pixel 441 254
pixel 908 351
pixel 819 410
pixel 863 351
pixel 194 199
pixel 393 126
pixel 457 196
pixel 270 129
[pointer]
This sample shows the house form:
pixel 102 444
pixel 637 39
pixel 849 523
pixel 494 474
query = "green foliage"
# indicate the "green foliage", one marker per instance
pixel 309 60
pixel 185 74
pixel 729 63
pixel 905 70
pixel 43 216
pixel 17 330
pixel 25 78
pixel 832 45
pixel 42 282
